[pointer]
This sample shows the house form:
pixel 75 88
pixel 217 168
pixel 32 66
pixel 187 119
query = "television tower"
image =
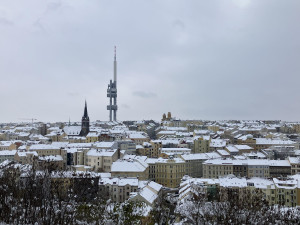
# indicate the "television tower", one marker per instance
pixel 112 93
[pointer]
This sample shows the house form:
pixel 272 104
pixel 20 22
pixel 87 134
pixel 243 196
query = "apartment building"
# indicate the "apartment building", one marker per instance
pixel 130 168
pixel 139 137
pixel 7 145
pixel 144 149
pixel 51 162
pixel 105 145
pixel 25 157
pixel 152 168
pixel 92 137
pixel 118 189
pixel 127 145
pixel 279 168
pixel 101 159
pixel 238 149
pixel 7 155
pixel 295 165
pixel 44 149
pixel 149 194
pixel 168 172
pixel 264 143
pixel 48 150
pixel 201 144
pixel 249 167
pixel 246 140
pixel 286 192
pixel 174 151
pixel 283 191
pixel 193 162
pixel 156 148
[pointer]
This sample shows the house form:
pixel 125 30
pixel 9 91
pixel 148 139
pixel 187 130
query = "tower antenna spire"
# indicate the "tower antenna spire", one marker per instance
pixel 112 92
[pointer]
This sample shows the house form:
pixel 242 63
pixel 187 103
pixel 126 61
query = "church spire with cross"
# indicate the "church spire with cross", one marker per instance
pixel 85 122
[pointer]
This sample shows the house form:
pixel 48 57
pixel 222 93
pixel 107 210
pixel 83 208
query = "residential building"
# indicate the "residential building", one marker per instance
pixel 130 168
pixel 118 189
pixel 250 167
pixel 101 160
pixel 7 155
pixel 295 165
pixel 193 162
pixel 168 172
pixel 201 144
pixel 156 148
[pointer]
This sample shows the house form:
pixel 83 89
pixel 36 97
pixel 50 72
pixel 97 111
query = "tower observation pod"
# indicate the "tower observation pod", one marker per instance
pixel 112 93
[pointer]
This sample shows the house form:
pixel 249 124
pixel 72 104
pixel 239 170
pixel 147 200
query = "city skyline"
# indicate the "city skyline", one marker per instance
pixel 211 60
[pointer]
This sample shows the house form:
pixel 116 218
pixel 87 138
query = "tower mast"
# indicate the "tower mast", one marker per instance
pixel 112 93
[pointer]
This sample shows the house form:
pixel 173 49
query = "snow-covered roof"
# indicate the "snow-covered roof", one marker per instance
pixel 6 143
pixel 232 149
pixel 294 160
pixel 151 160
pixel 74 174
pixel 60 144
pixel 24 154
pixel 201 156
pixel 139 147
pixel 243 147
pixel 255 155
pixel 155 186
pixel 166 132
pixel 137 136
pixel 286 183
pixel 105 144
pixel 43 147
pixel 101 152
pixel 173 151
pixel 51 158
pixel 261 183
pixel 173 160
pixel 202 132
pixel 72 130
pixel 147 194
pixel 268 141
pixel 92 134
pixel 8 152
pixel 127 166
pixel 132 181
pixel 250 162
pixel 217 143
pixel 223 152
pixel 79 145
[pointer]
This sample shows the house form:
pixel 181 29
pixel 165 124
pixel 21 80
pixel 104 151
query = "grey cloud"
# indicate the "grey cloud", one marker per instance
pixel 203 60
pixel 5 21
pixel 38 24
pixel 73 94
pixel 54 6
pixel 179 23
pixel 125 106
pixel 144 94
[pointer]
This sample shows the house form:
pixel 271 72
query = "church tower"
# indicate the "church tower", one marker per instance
pixel 85 122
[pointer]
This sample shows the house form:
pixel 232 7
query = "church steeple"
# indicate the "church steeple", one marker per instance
pixel 85 122
pixel 85 114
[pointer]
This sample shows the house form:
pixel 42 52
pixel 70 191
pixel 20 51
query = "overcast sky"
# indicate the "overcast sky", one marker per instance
pixel 227 59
